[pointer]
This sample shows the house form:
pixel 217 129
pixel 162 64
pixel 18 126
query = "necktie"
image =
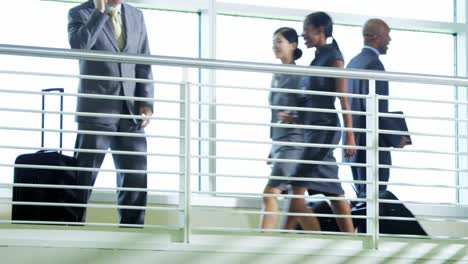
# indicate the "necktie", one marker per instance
pixel 117 27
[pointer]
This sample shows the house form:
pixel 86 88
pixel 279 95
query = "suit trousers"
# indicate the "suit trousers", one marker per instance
pixel 123 162
pixel 360 174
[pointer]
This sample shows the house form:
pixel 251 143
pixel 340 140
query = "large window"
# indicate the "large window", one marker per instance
pixel 241 39
pixel 408 52
pixel 51 31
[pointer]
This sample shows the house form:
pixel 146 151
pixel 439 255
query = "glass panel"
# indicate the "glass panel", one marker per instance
pixel 437 10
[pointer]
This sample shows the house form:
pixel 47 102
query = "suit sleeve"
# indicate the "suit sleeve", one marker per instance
pixel 144 71
pixel 82 32
pixel 381 87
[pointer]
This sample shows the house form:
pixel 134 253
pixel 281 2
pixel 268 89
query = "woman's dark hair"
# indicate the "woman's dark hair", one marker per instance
pixel 291 36
pixel 322 19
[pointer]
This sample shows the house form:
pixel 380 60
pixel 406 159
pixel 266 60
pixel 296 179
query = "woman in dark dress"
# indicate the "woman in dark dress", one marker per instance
pixel 285 42
pixel 318 29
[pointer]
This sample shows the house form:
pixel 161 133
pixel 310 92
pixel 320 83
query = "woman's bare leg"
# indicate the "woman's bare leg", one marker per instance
pixel 343 208
pixel 292 222
pixel 270 204
pixel 298 205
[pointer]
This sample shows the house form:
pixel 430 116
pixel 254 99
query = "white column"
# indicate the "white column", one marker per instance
pixel 462 95
pixel 208 94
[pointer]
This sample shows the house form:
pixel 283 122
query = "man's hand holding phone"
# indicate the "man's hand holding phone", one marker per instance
pixel 100 5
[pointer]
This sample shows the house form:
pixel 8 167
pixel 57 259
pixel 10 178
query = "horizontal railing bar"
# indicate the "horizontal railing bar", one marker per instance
pixel 426 151
pixel 438 118
pixel 458 205
pixel 82 187
pixel 276 178
pixel 285 160
pixel 101 151
pixel 328 128
pixel 90 132
pixel 94 96
pixel 288 214
pixel 230 65
pixel 423 218
pixel 391 218
pixel 125 116
pixel 290 108
pixel 281 231
pixel 71 168
pixel 86 224
pixel 431 237
pixel 332 128
pixel 279 143
pixel 412 99
pixel 88 77
pixel 282 90
pixel 261 195
pixel 398 132
pixel 423 185
pixel 421 168
pixel 102 206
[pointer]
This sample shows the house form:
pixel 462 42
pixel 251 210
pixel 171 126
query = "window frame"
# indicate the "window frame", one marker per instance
pixel 208 9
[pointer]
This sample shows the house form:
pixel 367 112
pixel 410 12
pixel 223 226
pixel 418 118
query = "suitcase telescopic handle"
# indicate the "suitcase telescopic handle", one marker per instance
pixel 60 90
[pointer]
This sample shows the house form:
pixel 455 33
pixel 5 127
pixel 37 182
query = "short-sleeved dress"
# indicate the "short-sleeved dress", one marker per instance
pixel 288 169
pixel 324 56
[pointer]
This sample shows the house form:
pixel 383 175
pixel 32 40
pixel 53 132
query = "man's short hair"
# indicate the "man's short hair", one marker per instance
pixel 373 27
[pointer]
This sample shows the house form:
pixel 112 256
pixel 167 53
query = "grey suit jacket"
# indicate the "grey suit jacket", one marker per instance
pixel 367 60
pixel 285 81
pixel 90 29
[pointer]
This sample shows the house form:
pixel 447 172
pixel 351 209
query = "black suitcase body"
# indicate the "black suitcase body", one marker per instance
pixel 49 176
pixel 396 227
pixel 400 227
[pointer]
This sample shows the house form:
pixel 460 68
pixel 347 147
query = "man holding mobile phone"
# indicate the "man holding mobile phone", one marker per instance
pixel 114 26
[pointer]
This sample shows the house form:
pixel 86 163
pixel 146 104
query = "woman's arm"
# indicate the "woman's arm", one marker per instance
pixel 341 87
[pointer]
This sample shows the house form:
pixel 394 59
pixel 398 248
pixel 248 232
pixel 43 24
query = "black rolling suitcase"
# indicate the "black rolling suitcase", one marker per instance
pixel 396 227
pixel 47 176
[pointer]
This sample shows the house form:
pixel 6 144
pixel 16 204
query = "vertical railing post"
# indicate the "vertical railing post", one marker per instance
pixel 184 161
pixel 461 111
pixel 372 161
pixel 208 25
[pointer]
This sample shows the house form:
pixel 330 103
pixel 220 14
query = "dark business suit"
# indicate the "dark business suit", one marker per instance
pixel 90 29
pixel 325 56
pixel 368 60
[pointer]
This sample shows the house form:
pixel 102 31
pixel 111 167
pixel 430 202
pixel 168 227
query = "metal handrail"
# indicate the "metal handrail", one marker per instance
pixel 229 65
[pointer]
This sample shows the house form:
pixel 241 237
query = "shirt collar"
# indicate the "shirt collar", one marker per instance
pixel 117 7
pixel 373 49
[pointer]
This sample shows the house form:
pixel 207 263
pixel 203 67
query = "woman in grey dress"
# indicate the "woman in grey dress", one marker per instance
pixel 285 42
pixel 318 29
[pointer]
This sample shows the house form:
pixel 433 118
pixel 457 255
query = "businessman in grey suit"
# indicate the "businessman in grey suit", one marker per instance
pixel 112 25
pixel 376 41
